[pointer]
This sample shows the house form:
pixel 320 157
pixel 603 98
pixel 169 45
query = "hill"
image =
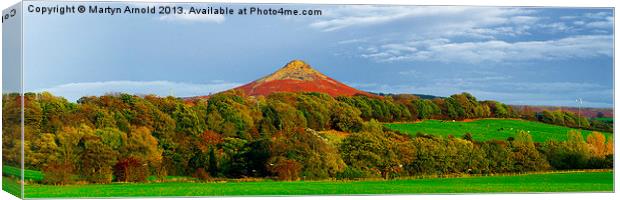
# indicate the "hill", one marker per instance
pixel 587 112
pixel 298 76
pixel 487 129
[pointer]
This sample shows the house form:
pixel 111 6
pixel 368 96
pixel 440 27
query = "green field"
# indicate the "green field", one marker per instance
pixel 29 175
pixel 487 129
pixel 605 119
pixel 11 186
pixel 551 182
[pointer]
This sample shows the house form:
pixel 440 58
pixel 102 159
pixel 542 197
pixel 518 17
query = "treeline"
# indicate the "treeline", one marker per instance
pixel 231 135
pixel 566 118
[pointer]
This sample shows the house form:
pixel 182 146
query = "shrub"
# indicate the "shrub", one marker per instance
pixel 58 173
pixel 285 169
pixel 350 173
pixel 131 169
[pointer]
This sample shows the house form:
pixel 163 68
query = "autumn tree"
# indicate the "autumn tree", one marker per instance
pixel 525 155
pixel 96 160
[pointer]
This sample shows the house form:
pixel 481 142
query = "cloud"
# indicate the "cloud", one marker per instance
pixel 608 23
pixel 349 16
pixel 74 91
pixel 444 50
pixel 474 22
pixel 214 18
pixel 409 73
pixel 454 34
pixel 597 21
pixel 556 26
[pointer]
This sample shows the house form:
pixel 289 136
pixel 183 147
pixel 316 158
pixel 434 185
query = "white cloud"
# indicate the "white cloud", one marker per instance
pixel 471 34
pixel 557 26
pixel 608 23
pixel 524 19
pixel 598 20
pixel 444 50
pixel 214 18
pixel 454 20
pixel 435 22
pixel 597 15
pixel 409 73
pixel 352 41
pixel 74 91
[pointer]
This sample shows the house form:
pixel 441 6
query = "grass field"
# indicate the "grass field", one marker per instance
pixel 29 175
pixel 552 182
pixel 487 129
pixel 605 119
pixel 11 186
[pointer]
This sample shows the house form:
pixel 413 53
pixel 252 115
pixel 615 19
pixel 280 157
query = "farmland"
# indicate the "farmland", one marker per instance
pixel 487 129
pixel 540 182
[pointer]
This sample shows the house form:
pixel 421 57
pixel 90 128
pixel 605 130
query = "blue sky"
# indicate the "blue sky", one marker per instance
pixel 535 56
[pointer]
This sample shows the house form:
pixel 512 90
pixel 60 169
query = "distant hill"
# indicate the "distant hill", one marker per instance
pixel 587 112
pixel 297 76
pixel 422 96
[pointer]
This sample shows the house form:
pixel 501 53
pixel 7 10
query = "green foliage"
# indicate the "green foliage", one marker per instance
pixel 525 155
pixel 112 137
pixel 96 160
pixel 317 158
pixel 346 118
pixel 372 151
pixel 564 118
pixel 233 135
pixel 228 114
pixel 575 153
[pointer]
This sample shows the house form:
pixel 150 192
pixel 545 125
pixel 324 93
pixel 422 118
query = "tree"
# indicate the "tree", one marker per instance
pixel 498 156
pixel 212 166
pixel 318 158
pixel 577 151
pixel 112 137
pixel 346 118
pixel 140 153
pixel 228 114
pixel 234 162
pixel 257 157
pixel 131 169
pixel 525 155
pixel 187 121
pixel 596 144
pixel 198 162
pixel 316 109
pixel 285 169
pixel 96 160
pixel 370 151
pixel 46 148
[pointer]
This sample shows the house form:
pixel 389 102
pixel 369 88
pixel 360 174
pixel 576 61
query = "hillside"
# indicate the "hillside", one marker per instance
pixel 298 76
pixel 487 129
pixel 587 112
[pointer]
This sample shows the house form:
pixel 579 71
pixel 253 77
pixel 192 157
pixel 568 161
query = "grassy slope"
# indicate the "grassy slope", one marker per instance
pixel 558 182
pixel 487 129
pixel 10 176
pixel 28 174
pixel 605 119
pixel 11 186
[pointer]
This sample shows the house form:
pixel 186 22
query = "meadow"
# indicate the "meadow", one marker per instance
pixel 488 129
pixel 539 182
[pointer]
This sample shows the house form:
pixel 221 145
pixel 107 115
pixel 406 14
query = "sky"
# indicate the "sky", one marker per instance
pixel 516 55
